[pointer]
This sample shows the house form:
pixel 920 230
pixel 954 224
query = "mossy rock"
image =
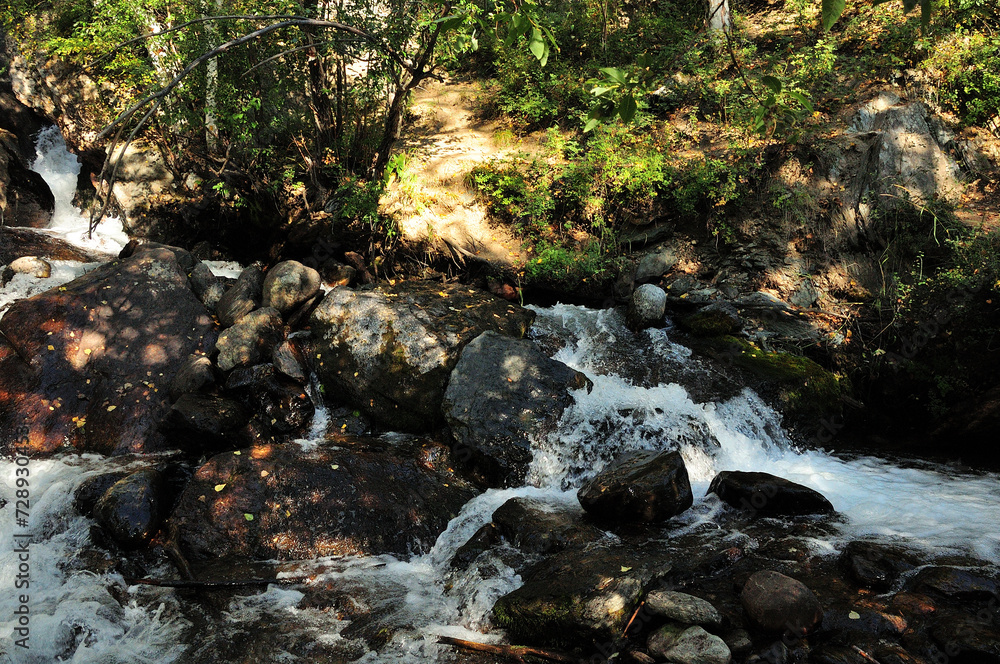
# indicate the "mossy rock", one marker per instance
pixel 803 387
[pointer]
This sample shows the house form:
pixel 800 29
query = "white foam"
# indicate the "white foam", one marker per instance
pixel 60 169
pixel 73 614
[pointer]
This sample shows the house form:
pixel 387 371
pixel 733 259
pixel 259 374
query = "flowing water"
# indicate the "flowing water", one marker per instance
pixel 648 393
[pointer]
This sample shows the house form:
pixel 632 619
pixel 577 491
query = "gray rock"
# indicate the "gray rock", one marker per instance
pixel 654 265
pixel 662 639
pixel 242 297
pixel 643 486
pixel 288 284
pixel 288 361
pixel 389 351
pixel 777 603
pixel 695 646
pixel 194 374
pixel 251 340
pixel 714 319
pixel 805 295
pixel 36 267
pixel 682 284
pixel 647 307
pixel 131 510
pixel 683 608
pixel 502 392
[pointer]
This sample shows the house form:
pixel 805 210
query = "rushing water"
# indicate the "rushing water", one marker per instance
pixel 648 393
pixel 60 168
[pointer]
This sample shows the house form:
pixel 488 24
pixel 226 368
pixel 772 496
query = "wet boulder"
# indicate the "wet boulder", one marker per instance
pixel 579 596
pixel 131 510
pixel 279 401
pixel 763 494
pixel 503 393
pixel 200 422
pixel 874 565
pixel 288 284
pixel 279 501
pixel 25 197
pixel 90 362
pixel 390 350
pixel 778 603
pixel 646 307
pixel 242 297
pixel 641 486
pixel 89 491
pixel 36 267
pixel 251 340
pixel 955 583
pixel 194 373
pixel 536 527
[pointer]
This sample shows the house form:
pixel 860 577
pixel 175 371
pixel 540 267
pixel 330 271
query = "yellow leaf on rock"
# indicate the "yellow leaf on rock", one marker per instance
pixel 220 487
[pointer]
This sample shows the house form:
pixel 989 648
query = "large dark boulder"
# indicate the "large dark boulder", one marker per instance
pixel 205 422
pixel 25 198
pixel 277 501
pixel 503 394
pixel 536 527
pixel 580 596
pixel 763 494
pixel 90 363
pixel 277 399
pixel 777 603
pixel 642 486
pixel 875 565
pixel 389 351
pixel 131 510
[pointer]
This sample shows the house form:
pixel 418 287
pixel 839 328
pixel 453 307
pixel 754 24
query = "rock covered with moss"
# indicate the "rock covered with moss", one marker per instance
pixel 390 350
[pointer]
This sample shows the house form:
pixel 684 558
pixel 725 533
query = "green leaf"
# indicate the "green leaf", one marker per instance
pixel 832 9
pixel 591 123
pixel 598 91
pixel 614 74
pixel 538 46
pixel 773 83
pixel 802 99
pixel 627 108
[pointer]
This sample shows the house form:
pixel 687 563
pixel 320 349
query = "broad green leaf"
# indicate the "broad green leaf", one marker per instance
pixel 591 123
pixel 832 9
pixel 614 74
pixel 598 91
pixel 773 83
pixel 538 46
pixel 627 108
pixel 802 99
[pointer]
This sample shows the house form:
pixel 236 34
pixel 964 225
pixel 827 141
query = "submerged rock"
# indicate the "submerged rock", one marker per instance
pixel 278 501
pixel 131 510
pixel 389 351
pixel 503 393
pixel 90 362
pixel 579 596
pixel 763 494
pixel 642 486
pixel 777 603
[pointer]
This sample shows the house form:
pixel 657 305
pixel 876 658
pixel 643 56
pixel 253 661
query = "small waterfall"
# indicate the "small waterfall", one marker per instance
pixel 60 169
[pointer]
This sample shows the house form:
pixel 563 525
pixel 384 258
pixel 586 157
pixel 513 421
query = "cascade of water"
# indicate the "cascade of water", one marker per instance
pixel 60 169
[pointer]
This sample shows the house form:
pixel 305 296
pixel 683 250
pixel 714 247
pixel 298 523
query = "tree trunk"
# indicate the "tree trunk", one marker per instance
pixel 718 15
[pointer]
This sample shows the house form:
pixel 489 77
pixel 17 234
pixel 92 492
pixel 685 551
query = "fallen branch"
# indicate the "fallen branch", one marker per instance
pixel 171 583
pixel 518 652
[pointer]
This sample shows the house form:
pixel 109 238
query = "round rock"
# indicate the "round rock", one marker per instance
pixel 131 510
pixel 644 486
pixel 683 608
pixel 693 646
pixel 32 265
pixel 776 603
pixel 288 284
pixel 647 306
